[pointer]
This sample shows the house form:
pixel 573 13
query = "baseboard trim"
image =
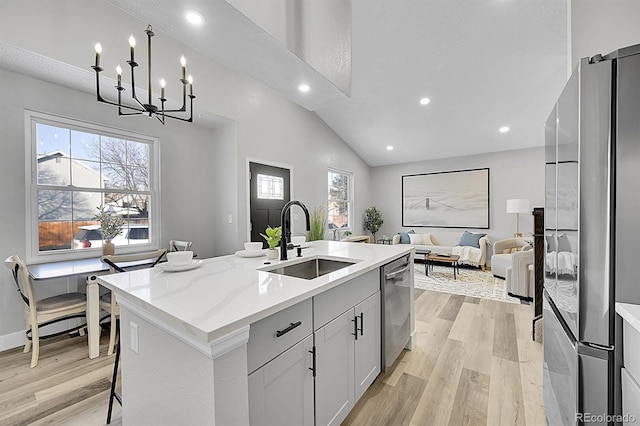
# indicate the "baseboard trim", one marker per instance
pixel 12 340
pixel 523 298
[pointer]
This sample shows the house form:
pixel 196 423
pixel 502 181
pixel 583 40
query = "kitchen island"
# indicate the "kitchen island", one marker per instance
pixel 184 334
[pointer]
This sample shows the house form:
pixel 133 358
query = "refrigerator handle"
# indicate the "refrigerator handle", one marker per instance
pixel 595 351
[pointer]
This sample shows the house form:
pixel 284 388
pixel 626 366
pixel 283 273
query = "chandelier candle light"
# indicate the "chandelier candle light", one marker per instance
pixel 148 109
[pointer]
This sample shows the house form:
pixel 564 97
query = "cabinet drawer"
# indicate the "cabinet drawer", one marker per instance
pixel 331 303
pixel 630 396
pixel 273 335
pixel 631 349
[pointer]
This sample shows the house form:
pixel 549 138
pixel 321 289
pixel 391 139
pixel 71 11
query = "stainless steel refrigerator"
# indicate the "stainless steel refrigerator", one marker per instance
pixel 592 235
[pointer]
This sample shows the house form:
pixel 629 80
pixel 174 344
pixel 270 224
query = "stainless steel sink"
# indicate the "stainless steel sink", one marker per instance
pixel 310 269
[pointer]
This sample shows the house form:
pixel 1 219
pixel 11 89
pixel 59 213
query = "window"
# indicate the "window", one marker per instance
pixel 77 168
pixel 340 203
pixel 270 187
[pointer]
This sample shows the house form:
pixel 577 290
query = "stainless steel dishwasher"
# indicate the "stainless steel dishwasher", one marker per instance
pixel 396 301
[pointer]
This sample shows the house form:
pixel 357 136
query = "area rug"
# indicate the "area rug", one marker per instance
pixel 471 282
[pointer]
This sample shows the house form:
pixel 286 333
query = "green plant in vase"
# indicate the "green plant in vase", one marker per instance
pixel 110 227
pixel 373 220
pixel 317 225
pixel 273 237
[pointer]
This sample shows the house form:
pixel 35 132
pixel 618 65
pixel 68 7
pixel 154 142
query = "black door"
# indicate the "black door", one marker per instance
pixel 269 192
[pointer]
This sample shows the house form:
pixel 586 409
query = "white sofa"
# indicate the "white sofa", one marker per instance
pixel 447 242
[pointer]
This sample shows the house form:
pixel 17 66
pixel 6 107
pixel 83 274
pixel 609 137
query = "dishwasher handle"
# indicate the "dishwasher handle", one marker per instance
pixel 390 275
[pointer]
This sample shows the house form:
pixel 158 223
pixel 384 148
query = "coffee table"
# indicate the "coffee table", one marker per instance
pixel 451 259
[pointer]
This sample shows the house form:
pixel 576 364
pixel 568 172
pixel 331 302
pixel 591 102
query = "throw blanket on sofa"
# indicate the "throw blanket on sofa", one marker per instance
pixel 566 262
pixel 468 255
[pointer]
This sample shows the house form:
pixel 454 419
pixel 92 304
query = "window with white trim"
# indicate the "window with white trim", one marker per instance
pixel 340 202
pixel 77 168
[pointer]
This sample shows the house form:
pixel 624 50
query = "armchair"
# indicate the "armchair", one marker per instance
pixel 519 279
pixel 511 261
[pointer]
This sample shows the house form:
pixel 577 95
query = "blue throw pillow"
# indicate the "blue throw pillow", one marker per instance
pixel 551 243
pixel 563 243
pixel 404 237
pixel 471 240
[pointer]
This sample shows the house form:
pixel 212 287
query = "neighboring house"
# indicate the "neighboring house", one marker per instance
pixel 55 207
pixel 57 168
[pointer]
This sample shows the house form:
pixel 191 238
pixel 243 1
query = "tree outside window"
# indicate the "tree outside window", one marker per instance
pixel 340 200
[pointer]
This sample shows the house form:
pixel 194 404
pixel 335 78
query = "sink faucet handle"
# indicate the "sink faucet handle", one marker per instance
pixel 299 249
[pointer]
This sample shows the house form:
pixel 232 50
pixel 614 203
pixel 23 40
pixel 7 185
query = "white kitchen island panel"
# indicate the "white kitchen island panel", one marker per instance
pixel 193 329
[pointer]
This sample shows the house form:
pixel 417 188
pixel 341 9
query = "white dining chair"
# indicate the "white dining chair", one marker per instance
pixel 40 313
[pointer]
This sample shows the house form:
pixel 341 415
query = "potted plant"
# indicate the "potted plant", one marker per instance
pixel 373 220
pixel 273 237
pixel 317 225
pixel 110 227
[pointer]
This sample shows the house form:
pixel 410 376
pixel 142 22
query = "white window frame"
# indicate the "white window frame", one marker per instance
pixel 350 201
pixel 33 255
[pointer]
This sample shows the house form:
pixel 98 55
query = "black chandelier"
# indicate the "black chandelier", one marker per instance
pixel 148 109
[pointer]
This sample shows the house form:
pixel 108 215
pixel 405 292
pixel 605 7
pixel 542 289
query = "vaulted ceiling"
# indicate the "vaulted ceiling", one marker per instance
pixel 483 65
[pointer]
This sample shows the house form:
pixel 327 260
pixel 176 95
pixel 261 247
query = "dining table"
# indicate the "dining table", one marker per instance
pixel 90 268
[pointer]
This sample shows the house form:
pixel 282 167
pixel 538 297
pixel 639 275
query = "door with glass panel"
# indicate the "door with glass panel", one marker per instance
pixel 269 192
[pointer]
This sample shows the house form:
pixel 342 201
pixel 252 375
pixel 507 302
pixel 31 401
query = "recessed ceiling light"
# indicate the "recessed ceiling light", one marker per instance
pixel 504 129
pixel 424 101
pixel 389 148
pixel 193 17
pixel 304 88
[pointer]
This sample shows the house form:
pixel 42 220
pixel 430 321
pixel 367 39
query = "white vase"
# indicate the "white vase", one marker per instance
pixel 108 248
pixel 272 253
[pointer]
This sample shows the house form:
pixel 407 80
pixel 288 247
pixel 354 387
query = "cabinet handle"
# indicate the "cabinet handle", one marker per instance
pixel 288 329
pixel 362 323
pixel 313 360
pixel 355 321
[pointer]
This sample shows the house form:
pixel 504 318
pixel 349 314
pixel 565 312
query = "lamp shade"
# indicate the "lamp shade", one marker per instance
pixel 518 205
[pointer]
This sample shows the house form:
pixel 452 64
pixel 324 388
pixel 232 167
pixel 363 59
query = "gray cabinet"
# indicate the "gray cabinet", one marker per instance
pixel 368 346
pixel 281 391
pixel 335 391
pixel 348 357
pixel 344 349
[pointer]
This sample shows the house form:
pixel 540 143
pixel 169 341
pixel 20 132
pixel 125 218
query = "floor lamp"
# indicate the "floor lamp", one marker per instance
pixel 518 206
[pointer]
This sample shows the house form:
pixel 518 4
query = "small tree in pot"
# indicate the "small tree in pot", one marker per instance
pixel 373 220
pixel 110 227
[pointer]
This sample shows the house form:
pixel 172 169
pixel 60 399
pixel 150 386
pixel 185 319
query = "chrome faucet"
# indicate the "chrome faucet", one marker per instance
pixel 283 216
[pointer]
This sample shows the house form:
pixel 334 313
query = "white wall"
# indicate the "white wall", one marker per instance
pixel 203 170
pixel 512 174
pixel 187 205
pixel 601 26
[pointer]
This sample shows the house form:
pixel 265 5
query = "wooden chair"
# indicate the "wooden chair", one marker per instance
pixel 177 245
pixel 40 313
pixel 120 263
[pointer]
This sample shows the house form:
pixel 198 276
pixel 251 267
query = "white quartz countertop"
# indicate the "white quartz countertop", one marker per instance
pixel 229 292
pixel 630 313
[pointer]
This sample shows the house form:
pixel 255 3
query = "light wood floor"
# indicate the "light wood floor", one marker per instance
pixel 65 388
pixel 474 364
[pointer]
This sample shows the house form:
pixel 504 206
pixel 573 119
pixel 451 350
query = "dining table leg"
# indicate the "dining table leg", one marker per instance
pixel 93 316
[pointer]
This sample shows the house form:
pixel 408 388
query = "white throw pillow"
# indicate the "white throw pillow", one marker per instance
pixel 426 239
pixel 415 238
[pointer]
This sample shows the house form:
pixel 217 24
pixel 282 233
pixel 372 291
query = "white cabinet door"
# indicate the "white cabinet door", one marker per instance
pixel 367 344
pixel 335 370
pixel 281 391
